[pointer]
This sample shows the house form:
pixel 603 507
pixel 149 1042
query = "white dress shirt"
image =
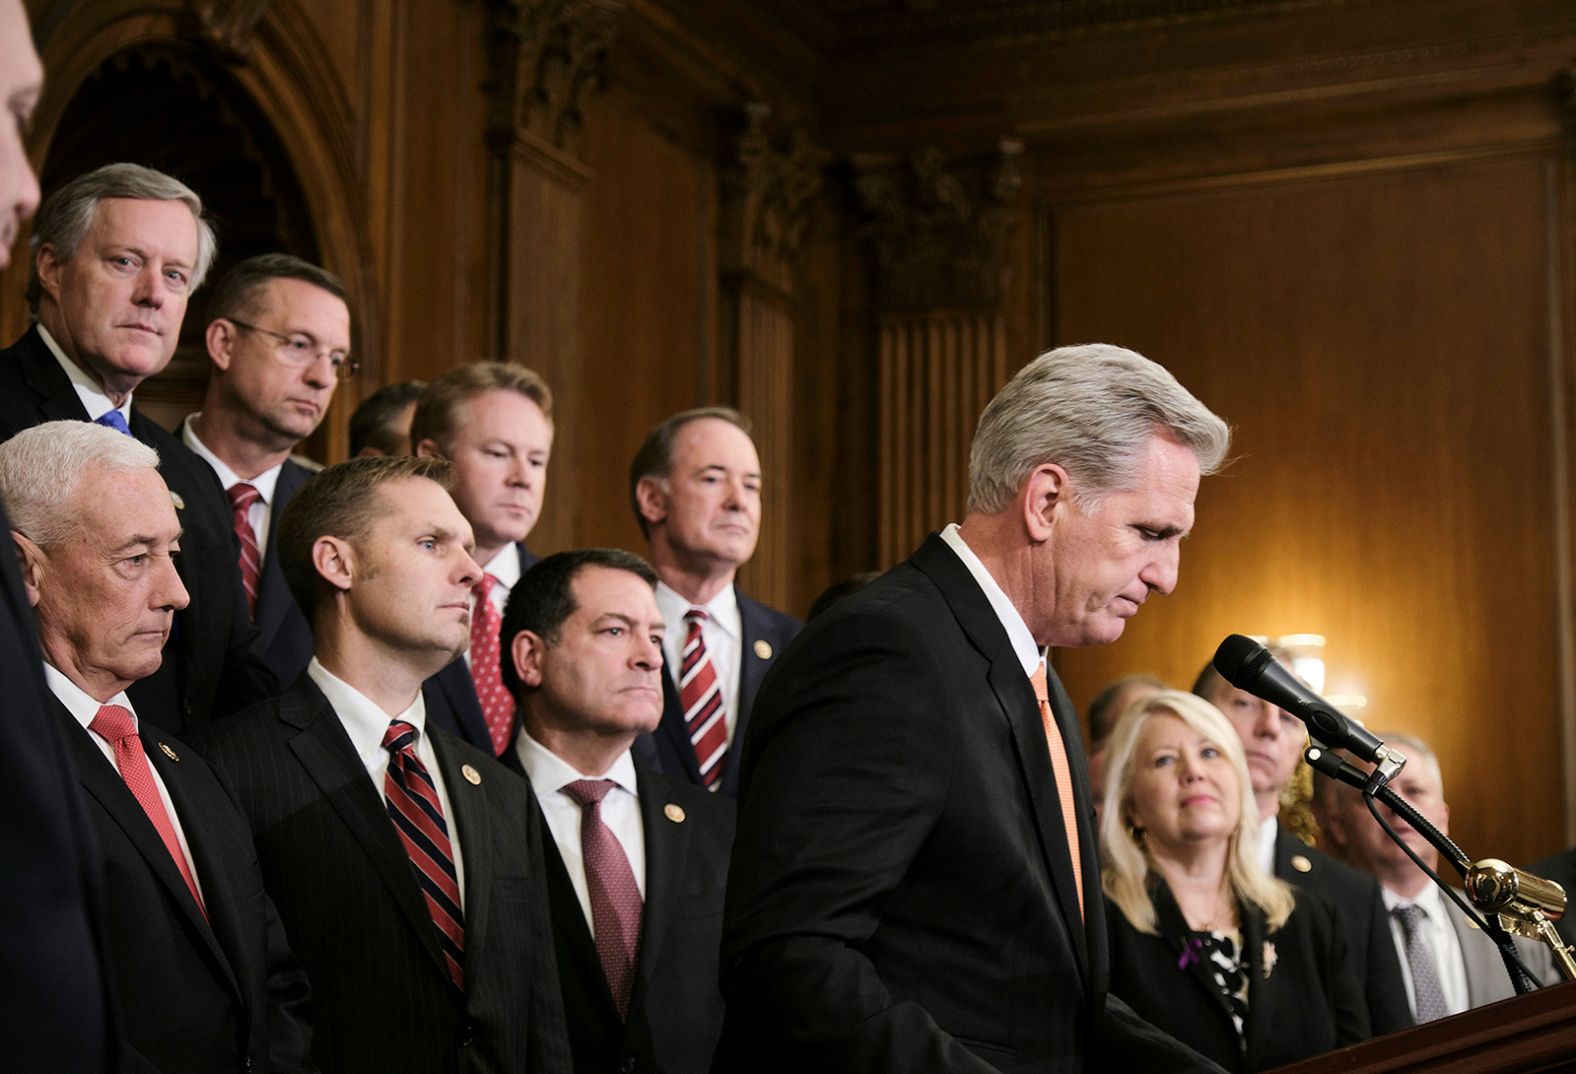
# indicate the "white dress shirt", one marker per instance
pixel 261 513
pixel 504 566
pixel 366 724
pixel 620 812
pixel 1440 936
pixel 94 401
pixel 1029 654
pixel 83 708
pixel 1269 828
pixel 723 633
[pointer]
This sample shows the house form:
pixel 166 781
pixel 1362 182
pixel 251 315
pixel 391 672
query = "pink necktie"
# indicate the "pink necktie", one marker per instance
pixel 242 496
pixel 1064 777
pixel 497 705
pixel 700 695
pixel 616 905
pixel 116 726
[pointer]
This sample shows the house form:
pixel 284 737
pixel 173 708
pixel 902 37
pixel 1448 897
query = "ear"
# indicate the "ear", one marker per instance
pixel 220 339
pixel 1045 491
pixel 526 650
pixel 49 268
pixel 652 499
pixel 428 449
pixel 30 561
pixel 335 561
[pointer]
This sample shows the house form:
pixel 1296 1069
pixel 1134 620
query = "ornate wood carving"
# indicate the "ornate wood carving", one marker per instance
pixel 939 233
pixel 766 195
pixel 227 25
pixel 546 58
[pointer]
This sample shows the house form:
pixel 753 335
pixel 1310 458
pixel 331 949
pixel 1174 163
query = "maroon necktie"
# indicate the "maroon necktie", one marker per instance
pixel 700 694
pixel 242 496
pixel 496 704
pixel 615 897
pixel 116 726
pixel 412 800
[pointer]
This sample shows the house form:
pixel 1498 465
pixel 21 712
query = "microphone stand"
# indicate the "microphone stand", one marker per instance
pixel 1511 901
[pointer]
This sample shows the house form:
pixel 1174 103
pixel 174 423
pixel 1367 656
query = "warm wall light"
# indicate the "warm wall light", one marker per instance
pixel 1306 653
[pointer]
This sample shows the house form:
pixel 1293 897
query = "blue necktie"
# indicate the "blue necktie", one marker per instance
pixel 112 419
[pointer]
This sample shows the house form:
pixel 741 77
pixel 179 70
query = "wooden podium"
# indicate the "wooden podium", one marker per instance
pixel 1536 1032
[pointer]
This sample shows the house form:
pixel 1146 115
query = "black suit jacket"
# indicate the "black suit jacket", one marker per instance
pixel 382 998
pixel 675 1008
pixel 195 992
pixel 57 1010
pixel 767 633
pixel 284 637
pixel 1302 1002
pixel 210 667
pixel 451 693
pixel 901 896
pixel 1364 925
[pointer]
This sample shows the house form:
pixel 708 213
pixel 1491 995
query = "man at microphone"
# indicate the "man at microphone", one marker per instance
pixel 1449 964
pixel 1273 740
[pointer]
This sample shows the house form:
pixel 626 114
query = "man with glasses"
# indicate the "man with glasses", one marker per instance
pixel 116 255
pixel 279 340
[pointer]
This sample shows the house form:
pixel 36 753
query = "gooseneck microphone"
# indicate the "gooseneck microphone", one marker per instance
pixel 1247 665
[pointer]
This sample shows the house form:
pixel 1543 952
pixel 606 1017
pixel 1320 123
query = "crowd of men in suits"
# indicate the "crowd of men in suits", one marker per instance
pixel 323 769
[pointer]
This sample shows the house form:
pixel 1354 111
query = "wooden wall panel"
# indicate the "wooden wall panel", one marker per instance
pixel 1382 343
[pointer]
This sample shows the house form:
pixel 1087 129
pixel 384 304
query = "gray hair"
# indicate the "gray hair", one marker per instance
pixel 41 468
pixel 1092 409
pixel 1417 751
pixel 68 213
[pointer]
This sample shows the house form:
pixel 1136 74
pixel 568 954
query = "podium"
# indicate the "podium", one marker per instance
pixel 1535 1032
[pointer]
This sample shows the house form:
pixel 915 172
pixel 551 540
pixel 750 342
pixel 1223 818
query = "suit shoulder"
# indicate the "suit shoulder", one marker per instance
pixel 695 800
pixel 768 618
pixel 1333 879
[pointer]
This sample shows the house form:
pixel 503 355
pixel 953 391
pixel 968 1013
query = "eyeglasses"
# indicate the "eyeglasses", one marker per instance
pixel 301 350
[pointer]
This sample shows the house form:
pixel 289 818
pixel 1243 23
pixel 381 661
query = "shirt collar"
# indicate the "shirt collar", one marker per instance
pixel 1029 654
pixel 505 566
pixel 364 721
pixel 1429 900
pixel 82 706
pixel 264 482
pixel 550 772
pixel 723 609
pixel 94 401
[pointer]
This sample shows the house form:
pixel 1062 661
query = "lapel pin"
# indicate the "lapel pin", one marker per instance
pixel 180 504
pixel 674 813
pixel 169 752
pixel 473 777
pixel 763 649
pixel 1301 863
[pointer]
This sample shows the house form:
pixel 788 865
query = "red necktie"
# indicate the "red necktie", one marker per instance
pixel 616 905
pixel 412 800
pixel 242 496
pixel 117 727
pixel 700 695
pixel 497 705
pixel 1064 776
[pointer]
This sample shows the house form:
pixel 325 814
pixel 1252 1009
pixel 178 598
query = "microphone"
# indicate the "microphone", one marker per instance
pixel 1247 665
pixel 1496 886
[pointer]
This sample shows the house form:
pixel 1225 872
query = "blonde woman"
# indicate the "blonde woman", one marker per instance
pixel 1204 943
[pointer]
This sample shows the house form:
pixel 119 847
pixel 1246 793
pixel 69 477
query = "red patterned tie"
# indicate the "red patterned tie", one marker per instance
pixel 616 905
pixel 1064 776
pixel 412 800
pixel 242 496
pixel 700 694
pixel 117 727
pixel 497 705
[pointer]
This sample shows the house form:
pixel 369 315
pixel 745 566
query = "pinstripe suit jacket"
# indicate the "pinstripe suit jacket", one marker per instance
pixel 382 999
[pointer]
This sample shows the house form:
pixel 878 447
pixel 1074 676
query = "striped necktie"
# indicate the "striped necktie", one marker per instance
pixel 242 496
pixel 412 800
pixel 700 695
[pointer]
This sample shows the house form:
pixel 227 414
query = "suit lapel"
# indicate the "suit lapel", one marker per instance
pixel 569 919
pixel 57 399
pixel 470 827
pixel 1192 959
pixel 1262 984
pixel 273 597
pixel 104 784
pixel 1479 956
pixel 324 750
pixel 667 854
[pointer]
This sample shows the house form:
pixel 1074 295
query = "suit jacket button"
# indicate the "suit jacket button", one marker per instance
pixel 467 1035
pixel 628 1066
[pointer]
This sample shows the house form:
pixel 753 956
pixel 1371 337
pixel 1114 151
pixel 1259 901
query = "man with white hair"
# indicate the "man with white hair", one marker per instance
pixel 1449 965
pixel 198 962
pixel 51 962
pixel 915 882
pixel 117 254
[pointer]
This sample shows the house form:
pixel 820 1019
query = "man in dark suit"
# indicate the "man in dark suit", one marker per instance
pixel 1273 741
pixel 585 640
pixel 117 254
pixel 55 999
pixel 696 488
pixel 199 967
pixel 1433 939
pixel 915 883
pixel 279 340
pixel 405 863
pixel 494 422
